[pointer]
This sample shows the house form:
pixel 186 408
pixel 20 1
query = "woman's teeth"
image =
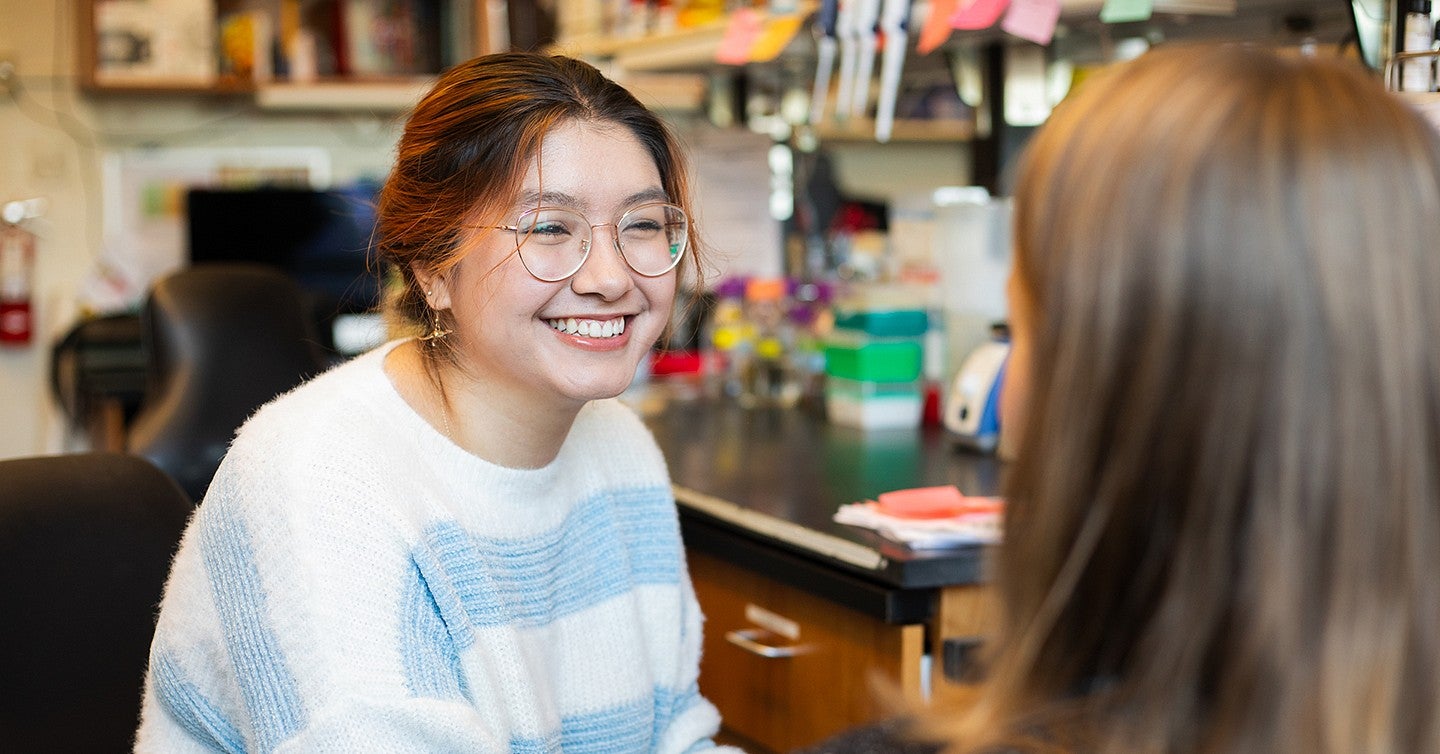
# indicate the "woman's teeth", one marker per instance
pixel 590 328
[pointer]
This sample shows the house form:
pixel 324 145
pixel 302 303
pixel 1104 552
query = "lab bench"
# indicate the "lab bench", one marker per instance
pixel 803 614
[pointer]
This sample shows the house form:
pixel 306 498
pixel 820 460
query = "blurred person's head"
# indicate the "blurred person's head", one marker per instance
pixel 1224 512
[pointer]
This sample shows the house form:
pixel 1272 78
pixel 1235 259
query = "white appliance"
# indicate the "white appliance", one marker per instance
pixel 972 408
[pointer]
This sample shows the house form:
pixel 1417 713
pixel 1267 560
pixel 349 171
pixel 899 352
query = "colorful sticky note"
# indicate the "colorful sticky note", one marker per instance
pixel 922 502
pixel 1122 11
pixel 978 14
pixel 1032 19
pixel 775 36
pixel 937 26
pixel 740 35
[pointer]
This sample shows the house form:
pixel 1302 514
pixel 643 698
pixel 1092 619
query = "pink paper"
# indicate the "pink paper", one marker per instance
pixel 1032 19
pixel 978 14
pixel 740 36
pixel 922 502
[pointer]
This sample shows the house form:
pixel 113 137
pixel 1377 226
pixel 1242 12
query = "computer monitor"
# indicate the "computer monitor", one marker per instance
pixel 322 239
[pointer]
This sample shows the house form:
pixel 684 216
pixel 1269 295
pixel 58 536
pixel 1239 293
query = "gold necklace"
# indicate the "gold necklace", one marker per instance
pixel 444 410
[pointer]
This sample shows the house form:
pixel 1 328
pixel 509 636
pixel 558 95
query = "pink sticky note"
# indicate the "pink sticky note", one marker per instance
pixel 922 502
pixel 740 35
pixel 1032 19
pixel 978 14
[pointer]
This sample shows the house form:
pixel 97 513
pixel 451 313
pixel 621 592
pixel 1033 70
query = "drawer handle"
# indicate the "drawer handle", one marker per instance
pixel 746 640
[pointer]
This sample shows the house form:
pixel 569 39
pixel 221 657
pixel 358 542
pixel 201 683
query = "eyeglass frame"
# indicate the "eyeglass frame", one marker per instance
pixel 588 244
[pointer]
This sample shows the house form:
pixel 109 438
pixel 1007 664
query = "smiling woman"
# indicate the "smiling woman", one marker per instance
pixel 460 541
pixel 512 360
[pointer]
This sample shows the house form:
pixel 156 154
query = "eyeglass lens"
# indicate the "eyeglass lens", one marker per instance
pixel 553 243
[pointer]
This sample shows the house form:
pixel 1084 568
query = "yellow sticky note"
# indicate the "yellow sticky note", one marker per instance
pixel 775 37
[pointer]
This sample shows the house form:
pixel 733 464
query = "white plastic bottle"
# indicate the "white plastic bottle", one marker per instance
pixel 1419 35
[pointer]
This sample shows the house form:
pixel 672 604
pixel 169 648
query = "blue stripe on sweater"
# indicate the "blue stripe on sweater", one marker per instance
pixel 670 704
pixel 626 728
pixel 191 709
pixel 271 695
pixel 432 663
pixel 607 546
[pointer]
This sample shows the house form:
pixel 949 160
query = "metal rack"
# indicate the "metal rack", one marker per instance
pixel 1391 69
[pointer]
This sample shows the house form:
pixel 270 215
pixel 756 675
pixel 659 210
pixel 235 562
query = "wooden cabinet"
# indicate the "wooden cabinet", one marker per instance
pixel 802 615
pixel 787 668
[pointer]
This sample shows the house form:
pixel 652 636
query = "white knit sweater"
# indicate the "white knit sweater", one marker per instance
pixel 354 582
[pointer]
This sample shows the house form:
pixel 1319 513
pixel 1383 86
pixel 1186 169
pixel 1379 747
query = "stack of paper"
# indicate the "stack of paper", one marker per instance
pixel 928 517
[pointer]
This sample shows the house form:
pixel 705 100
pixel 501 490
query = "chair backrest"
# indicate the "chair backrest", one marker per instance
pixel 86 542
pixel 222 340
pixel 97 376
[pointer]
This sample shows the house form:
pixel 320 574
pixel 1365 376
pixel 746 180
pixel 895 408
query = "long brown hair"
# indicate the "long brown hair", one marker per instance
pixel 464 153
pixel 1224 513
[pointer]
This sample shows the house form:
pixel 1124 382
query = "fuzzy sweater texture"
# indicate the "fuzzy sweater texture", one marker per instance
pixel 354 582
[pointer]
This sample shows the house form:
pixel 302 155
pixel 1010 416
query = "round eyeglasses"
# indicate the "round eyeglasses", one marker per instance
pixel 553 243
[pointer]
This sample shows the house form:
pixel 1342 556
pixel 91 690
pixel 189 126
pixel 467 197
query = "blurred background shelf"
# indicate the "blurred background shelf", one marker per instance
pixel 368 96
pixel 915 131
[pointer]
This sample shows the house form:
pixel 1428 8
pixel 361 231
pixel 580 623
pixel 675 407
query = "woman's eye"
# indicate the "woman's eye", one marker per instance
pixel 642 226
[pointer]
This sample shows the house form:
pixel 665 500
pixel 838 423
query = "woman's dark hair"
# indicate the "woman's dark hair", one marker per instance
pixel 1224 511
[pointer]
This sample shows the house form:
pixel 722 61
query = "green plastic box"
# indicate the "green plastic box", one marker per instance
pixel 853 356
pixel 884 323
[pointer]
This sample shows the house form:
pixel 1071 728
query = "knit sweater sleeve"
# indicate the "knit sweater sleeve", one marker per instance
pixel 291 622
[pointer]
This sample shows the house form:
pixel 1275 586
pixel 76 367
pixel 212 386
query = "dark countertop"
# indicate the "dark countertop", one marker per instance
pixel 758 487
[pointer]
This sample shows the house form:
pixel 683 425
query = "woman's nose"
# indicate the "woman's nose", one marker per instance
pixel 604 270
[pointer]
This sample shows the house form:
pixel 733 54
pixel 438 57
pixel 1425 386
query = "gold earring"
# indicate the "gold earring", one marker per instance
pixel 437 330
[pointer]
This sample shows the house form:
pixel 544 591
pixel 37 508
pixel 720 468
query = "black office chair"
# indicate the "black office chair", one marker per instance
pixel 222 340
pixel 85 545
pixel 97 376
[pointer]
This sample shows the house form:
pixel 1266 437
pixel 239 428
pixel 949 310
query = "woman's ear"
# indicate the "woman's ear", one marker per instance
pixel 435 286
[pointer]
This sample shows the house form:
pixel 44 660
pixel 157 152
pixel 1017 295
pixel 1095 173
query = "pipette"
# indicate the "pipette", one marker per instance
pixel 893 22
pixel 867 14
pixel 824 58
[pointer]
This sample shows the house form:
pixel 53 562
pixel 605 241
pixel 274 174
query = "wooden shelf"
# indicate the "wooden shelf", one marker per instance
pixel 365 96
pixel 904 131
pixel 352 94
pixel 690 49
pixel 700 39
pixel 695 48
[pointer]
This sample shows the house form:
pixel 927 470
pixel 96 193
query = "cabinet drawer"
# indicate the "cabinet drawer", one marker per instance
pixel 787 668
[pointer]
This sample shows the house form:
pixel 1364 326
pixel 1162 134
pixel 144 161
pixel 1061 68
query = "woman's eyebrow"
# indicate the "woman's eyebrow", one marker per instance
pixel 562 199
pixel 547 199
pixel 655 194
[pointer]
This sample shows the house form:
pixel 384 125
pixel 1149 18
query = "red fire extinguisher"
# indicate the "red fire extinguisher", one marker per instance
pixel 17 269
